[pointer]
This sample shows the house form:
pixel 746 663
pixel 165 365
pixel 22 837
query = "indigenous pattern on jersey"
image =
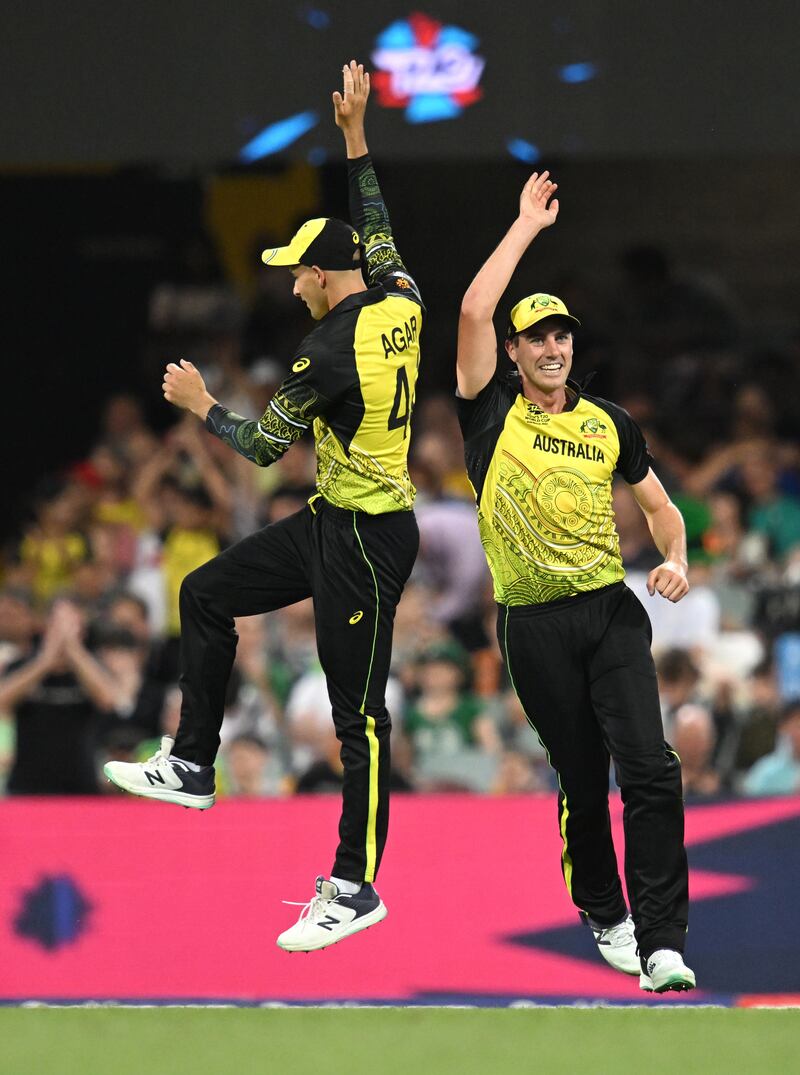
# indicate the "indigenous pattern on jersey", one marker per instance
pixel 543 486
pixel 353 378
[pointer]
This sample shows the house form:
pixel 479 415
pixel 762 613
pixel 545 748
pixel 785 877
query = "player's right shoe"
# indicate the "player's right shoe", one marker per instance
pixel 666 970
pixel 617 944
pixel 167 779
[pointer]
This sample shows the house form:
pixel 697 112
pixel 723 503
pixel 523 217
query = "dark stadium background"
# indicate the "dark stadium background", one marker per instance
pixel 117 118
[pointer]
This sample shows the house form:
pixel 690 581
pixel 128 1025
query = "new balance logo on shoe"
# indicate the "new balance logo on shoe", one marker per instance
pixel 617 944
pixel 165 778
pixel 318 927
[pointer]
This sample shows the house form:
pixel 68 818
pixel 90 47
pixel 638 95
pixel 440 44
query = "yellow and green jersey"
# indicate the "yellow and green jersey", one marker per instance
pixel 543 486
pixel 353 378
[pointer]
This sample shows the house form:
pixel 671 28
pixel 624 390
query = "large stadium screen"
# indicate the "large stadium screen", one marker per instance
pixel 179 83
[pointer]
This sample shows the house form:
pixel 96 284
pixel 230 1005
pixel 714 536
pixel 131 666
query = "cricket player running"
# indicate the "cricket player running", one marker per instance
pixel 541 456
pixel 351 548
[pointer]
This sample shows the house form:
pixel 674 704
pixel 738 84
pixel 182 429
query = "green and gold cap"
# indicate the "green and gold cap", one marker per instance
pixel 535 308
pixel 325 242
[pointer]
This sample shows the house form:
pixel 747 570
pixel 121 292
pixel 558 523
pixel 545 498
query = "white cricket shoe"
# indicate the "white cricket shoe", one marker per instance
pixel 164 778
pixel 331 916
pixel 666 970
pixel 617 945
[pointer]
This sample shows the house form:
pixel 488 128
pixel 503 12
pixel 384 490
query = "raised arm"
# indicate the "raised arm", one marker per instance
pixel 368 212
pixel 477 343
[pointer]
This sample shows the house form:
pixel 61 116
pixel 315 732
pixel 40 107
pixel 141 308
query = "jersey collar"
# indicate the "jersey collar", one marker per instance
pixel 356 301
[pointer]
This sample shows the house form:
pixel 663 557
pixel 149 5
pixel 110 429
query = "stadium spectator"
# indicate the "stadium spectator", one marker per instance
pixel 53 546
pixel 772 513
pixel 693 740
pixel 452 563
pixel 455 742
pixel 56 693
pixel 778 773
pixel 252 708
pixel 252 769
pixel 678 685
pixel 138 697
pixel 758 717
pixel 19 624
pixel 308 716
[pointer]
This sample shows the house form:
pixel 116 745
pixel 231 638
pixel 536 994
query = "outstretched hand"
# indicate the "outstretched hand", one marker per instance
pixel 533 202
pixel 350 105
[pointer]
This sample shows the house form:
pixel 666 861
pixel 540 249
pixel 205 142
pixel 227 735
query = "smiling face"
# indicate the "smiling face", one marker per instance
pixel 543 356
pixel 309 285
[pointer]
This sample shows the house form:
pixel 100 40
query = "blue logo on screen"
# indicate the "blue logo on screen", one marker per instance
pixel 429 69
pixel 53 913
pixel 278 136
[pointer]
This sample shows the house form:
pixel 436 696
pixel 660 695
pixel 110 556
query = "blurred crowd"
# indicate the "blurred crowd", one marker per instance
pixel 89 627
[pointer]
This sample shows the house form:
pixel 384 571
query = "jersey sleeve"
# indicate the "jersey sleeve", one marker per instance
pixel 488 409
pixel 317 379
pixel 369 216
pixel 634 456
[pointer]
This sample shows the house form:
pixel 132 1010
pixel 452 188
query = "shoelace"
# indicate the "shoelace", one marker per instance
pixel 313 910
pixel 158 759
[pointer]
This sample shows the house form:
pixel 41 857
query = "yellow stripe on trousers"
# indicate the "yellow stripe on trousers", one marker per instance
pixel 372 739
pixel 566 858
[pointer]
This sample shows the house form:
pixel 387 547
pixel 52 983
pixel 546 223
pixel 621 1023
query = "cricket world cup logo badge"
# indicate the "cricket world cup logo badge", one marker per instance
pixel 429 69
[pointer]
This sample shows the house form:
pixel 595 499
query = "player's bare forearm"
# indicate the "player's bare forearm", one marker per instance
pixel 476 355
pixel 536 212
pixel 355 142
pixel 477 346
pixel 669 533
pixel 483 294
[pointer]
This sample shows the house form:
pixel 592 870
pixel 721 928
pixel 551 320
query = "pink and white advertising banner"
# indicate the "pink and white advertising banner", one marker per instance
pixel 134 901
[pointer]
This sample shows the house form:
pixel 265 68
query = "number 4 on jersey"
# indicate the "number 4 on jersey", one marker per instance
pixel 401 408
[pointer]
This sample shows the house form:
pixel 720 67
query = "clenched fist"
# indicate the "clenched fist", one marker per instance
pixel 184 387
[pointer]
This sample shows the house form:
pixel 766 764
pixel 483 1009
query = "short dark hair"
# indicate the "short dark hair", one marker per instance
pixel 676 664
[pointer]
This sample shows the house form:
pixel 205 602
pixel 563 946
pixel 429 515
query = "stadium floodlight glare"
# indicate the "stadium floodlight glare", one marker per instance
pixel 278 136
pixel 573 73
pixel 523 151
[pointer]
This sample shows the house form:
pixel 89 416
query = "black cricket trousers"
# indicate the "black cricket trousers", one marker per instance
pixel 583 671
pixel 354 566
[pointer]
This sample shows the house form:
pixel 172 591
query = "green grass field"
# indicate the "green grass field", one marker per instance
pixel 407 1041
